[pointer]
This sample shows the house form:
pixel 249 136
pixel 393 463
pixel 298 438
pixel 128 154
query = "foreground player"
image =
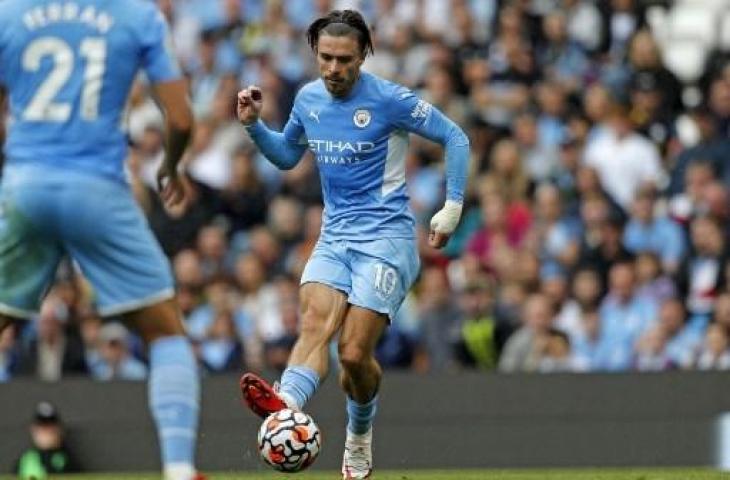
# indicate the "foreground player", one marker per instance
pixel 67 68
pixel 357 125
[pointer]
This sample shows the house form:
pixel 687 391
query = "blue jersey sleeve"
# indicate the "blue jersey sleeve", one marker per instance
pixel 158 58
pixel 294 130
pixel 410 113
pixel 282 149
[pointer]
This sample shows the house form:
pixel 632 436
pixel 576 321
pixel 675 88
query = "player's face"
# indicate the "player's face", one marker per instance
pixel 339 59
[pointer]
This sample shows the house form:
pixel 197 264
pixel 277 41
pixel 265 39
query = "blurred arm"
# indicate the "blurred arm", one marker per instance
pixel 276 146
pixel 173 99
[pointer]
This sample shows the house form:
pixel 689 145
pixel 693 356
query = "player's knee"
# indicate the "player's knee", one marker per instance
pixel 354 358
pixel 5 322
pixel 157 321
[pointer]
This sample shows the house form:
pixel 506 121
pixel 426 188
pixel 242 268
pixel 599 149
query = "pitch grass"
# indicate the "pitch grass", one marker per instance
pixel 602 474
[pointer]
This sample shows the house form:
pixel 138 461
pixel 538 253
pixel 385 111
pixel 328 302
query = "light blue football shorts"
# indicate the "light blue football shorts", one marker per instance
pixel 46 213
pixel 375 274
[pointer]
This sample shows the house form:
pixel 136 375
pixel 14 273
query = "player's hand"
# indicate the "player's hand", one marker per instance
pixel 444 223
pixel 250 101
pixel 171 188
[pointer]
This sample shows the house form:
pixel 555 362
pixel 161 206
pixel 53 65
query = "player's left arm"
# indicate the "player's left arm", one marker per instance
pixel 3 114
pixel 417 116
pixel 157 58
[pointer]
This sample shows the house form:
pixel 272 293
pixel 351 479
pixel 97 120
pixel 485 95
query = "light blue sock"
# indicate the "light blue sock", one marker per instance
pixel 360 416
pixel 299 384
pixel 174 398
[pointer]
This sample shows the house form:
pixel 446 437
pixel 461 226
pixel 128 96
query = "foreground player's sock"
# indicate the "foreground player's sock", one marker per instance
pixel 361 415
pixel 174 397
pixel 298 384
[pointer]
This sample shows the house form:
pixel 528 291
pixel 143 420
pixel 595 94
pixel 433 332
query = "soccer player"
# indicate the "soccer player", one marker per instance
pixel 67 67
pixel 357 126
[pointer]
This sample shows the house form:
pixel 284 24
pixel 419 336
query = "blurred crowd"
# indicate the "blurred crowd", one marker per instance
pixel 595 234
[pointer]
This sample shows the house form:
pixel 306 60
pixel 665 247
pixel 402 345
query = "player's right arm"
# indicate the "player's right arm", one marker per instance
pixel 173 99
pixel 171 92
pixel 283 149
pixel 3 113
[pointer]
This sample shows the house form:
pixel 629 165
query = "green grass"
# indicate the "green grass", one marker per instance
pixel 595 474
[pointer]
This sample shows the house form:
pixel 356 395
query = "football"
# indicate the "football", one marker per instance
pixel 289 440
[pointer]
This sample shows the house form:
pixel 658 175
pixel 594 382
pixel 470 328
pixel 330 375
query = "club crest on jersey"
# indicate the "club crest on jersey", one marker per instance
pixel 361 118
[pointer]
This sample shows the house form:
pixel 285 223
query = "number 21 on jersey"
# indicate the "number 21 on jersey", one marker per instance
pixel 43 107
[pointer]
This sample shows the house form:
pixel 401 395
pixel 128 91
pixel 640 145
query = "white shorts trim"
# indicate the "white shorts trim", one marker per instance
pixel 16 313
pixel 165 294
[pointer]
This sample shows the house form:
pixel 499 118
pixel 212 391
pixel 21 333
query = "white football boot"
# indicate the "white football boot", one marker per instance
pixel 358 459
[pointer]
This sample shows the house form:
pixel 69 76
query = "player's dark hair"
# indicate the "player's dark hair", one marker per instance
pixel 340 23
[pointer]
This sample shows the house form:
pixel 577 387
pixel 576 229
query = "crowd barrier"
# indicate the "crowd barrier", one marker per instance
pixel 435 421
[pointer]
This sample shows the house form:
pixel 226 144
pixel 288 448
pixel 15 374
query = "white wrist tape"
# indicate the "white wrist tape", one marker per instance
pixel 446 219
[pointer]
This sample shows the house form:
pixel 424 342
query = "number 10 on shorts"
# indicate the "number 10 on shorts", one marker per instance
pixel 386 279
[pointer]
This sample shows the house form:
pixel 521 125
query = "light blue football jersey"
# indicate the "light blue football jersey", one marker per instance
pixel 360 144
pixel 68 66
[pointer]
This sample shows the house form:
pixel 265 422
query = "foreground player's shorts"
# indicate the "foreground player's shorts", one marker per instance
pixel 46 213
pixel 374 274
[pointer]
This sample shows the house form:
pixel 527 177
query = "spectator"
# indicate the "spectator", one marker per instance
pixel 651 351
pixel 698 178
pixel 651 112
pixel 715 353
pixel 553 236
pixel 683 336
pixel 505 170
pixel 713 147
pixel 563 60
pixel 212 247
pixel 624 18
pixel 439 317
pixel 48 454
pixel 243 198
pixel 586 342
pixel 540 161
pixel 586 292
pixel 651 282
pixel 261 303
pixel 624 159
pixel 555 354
pixel 597 107
pixel 523 350
pixel 56 349
pixel 624 317
pixel 113 359
pixel 648 232
pixel 601 245
pixel 645 60
pixel 496 243
pixel 479 339
pixel 277 350
pixel 216 327
pixel 700 277
pixel 585 26
pixel 719 103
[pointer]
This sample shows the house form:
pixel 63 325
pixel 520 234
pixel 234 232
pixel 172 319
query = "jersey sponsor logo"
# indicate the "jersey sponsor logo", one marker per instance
pixel 361 118
pixel 421 110
pixel 314 114
pixel 338 146
pixel 338 152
